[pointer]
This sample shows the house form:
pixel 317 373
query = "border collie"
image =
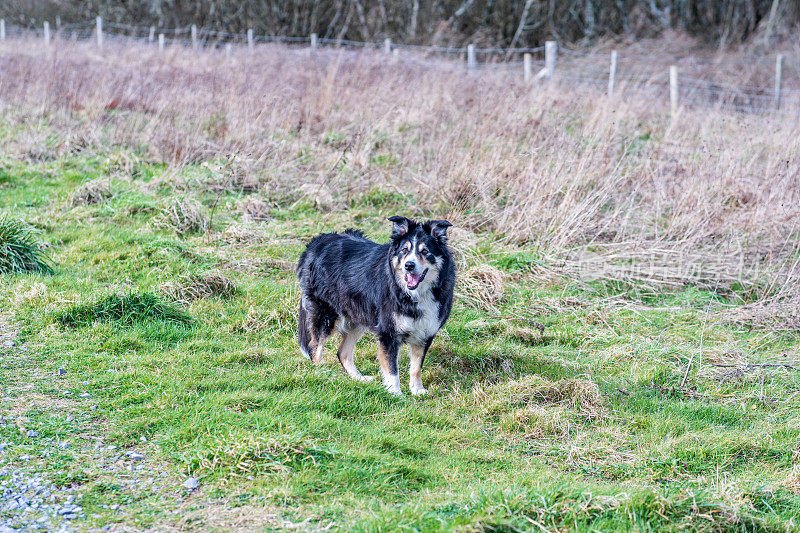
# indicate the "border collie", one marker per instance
pixel 401 291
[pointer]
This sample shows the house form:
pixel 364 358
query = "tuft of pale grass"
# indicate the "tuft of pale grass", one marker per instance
pixel 254 208
pixel 20 249
pixel 481 286
pixel 91 193
pixel 777 313
pixel 184 215
pixel 578 394
pixel 197 286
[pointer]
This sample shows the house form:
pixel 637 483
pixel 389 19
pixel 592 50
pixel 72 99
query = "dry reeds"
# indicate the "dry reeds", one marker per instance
pixel 609 185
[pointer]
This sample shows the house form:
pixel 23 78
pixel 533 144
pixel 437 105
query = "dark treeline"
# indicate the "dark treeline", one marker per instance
pixel 487 22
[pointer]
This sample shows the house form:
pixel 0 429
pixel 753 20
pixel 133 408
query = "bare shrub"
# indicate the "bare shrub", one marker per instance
pixel 91 193
pixel 185 216
pixel 197 286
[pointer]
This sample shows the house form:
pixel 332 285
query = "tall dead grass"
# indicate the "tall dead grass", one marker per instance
pixel 709 198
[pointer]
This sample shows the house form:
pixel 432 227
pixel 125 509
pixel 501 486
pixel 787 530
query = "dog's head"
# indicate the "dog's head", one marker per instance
pixel 418 253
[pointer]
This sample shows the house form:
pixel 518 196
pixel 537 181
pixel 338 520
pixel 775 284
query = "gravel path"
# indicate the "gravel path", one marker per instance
pixel 29 500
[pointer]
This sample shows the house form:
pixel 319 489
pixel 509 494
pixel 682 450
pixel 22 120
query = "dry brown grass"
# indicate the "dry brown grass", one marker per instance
pixel 778 313
pixel 255 208
pixel 596 187
pixel 184 215
pixel 196 286
pixel 91 193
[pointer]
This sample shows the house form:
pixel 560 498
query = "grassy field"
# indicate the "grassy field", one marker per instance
pixel 622 355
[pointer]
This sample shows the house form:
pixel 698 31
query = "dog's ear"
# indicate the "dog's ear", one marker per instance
pixel 401 226
pixel 437 229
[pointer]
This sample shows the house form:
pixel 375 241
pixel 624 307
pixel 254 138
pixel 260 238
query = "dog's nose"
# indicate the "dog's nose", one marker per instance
pixel 410 266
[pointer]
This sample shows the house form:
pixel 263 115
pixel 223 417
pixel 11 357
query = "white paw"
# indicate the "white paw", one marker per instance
pixel 418 390
pixel 366 379
pixel 393 388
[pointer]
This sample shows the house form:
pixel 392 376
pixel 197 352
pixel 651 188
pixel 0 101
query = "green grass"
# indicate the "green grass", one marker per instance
pixel 20 250
pixel 127 310
pixel 613 418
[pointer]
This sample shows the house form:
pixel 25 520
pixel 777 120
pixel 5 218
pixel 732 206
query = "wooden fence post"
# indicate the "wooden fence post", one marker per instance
pixel 313 41
pixel 472 60
pixel 46 33
pixel 160 42
pixel 778 80
pixel 527 69
pixel 58 23
pixel 387 45
pixel 194 37
pixel 612 73
pixel 152 35
pixel 395 56
pixel 99 30
pixel 2 29
pixel 550 53
pixel 673 90
pixel 250 39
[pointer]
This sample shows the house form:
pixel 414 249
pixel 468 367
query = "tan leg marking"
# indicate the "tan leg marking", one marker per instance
pixel 346 350
pixel 319 348
pixel 415 370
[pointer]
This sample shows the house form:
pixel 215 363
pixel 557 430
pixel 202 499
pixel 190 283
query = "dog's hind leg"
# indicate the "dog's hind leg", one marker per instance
pixel 304 338
pixel 346 349
pixel 322 324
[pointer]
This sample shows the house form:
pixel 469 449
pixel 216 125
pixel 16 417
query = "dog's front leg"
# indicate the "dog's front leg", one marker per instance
pixel 388 346
pixel 415 370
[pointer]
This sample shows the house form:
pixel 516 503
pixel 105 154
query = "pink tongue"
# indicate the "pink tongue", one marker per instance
pixel 412 280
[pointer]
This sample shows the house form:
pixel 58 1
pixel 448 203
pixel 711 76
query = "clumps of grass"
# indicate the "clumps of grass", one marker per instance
pixel 579 394
pixel 197 286
pixel 481 286
pixel 185 216
pixel 91 193
pixel 318 194
pixel 275 320
pixel 125 310
pixel 239 454
pixel 20 249
pixel 254 208
pixel 534 407
pixel 779 313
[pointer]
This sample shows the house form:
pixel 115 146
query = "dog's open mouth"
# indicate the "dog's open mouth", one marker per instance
pixel 412 280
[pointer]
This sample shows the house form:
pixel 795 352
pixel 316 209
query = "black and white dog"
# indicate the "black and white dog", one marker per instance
pixel 401 291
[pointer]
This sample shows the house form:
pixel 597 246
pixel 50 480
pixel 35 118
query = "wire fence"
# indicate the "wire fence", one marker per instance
pixel 644 73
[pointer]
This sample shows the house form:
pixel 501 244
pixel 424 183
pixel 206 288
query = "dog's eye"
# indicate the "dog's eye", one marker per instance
pixel 423 250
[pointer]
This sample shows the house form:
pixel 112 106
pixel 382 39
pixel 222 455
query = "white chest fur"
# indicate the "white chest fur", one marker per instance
pixel 419 330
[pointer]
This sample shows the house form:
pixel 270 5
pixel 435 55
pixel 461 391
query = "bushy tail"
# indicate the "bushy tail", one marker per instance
pixel 303 331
